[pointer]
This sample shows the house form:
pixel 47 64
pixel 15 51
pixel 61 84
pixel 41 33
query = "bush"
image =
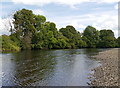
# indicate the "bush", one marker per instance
pixel 8 44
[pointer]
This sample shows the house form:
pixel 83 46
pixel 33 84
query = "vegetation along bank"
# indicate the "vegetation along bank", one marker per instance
pixel 33 32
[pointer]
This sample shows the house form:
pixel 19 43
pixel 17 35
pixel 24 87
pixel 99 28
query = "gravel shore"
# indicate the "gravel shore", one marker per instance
pixel 107 73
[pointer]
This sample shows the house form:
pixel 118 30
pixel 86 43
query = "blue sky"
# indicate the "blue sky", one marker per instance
pixel 102 14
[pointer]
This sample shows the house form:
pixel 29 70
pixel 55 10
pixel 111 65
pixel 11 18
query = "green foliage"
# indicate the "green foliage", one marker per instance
pixel 24 25
pixel 33 32
pixel 8 44
pixel 74 37
pixel 16 39
pixel 39 21
pixel 107 39
pixel 118 42
pixel 91 36
pixel 46 37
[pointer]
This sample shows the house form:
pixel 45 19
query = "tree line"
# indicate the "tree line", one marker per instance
pixel 33 32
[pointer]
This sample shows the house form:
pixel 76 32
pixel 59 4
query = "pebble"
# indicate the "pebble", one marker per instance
pixel 107 74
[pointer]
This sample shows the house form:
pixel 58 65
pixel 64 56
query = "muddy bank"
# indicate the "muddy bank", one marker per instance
pixel 107 73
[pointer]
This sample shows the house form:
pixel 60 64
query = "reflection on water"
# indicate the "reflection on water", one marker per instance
pixel 48 67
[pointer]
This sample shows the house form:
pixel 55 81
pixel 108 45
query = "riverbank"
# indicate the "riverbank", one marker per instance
pixel 107 73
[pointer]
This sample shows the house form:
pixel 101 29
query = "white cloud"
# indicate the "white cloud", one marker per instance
pixel 104 20
pixel 67 2
pixel 4 26
pixel 38 11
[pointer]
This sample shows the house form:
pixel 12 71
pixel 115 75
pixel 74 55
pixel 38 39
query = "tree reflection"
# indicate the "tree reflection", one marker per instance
pixel 32 66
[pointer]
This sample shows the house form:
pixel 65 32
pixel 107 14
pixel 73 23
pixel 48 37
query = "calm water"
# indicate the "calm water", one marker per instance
pixel 69 67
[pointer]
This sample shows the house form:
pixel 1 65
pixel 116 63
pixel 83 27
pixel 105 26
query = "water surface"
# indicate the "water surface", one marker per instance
pixel 68 67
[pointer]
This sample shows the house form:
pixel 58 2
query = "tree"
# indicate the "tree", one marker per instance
pixel 74 37
pixel 118 42
pixel 16 39
pixel 68 32
pixel 8 44
pixel 91 36
pixel 24 25
pixel 39 21
pixel 107 39
pixel 32 31
pixel 46 37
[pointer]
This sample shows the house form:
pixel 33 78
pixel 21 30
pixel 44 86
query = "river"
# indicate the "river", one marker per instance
pixel 64 67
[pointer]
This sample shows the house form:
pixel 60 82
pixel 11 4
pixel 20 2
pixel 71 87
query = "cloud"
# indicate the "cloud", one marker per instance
pixel 80 22
pixel 103 20
pixel 4 26
pixel 66 2
pixel 100 19
pixel 38 11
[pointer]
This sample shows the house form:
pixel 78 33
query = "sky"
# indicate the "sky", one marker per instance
pixel 101 14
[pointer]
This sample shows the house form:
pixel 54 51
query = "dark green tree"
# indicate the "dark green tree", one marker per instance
pixel 74 37
pixel 118 41
pixel 32 31
pixel 24 24
pixel 107 39
pixel 8 44
pixel 46 37
pixel 39 21
pixel 91 37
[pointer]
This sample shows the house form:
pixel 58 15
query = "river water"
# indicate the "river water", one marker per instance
pixel 67 67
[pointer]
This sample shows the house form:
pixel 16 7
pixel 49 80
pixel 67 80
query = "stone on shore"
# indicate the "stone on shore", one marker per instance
pixel 107 73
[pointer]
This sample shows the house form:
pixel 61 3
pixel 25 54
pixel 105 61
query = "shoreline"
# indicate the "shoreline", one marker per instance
pixel 107 73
